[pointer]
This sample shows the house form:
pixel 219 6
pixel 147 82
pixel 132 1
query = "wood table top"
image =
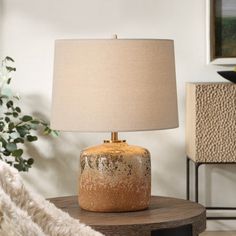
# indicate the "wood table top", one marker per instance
pixel 163 212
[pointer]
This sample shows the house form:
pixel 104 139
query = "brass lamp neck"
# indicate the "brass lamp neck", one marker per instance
pixel 114 138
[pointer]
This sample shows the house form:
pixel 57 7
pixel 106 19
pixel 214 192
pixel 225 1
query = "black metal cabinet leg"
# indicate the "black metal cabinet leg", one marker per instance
pixel 196 181
pixel 187 178
pixel 196 194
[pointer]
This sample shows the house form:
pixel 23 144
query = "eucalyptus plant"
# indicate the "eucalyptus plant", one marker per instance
pixel 16 129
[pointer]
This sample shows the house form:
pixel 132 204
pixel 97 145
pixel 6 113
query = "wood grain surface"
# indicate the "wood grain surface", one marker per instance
pixel 163 213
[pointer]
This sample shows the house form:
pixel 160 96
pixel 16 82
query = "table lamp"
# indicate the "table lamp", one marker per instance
pixel 114 85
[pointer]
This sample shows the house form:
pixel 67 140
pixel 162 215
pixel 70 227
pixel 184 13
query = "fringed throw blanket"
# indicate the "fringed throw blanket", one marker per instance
pixel 23 213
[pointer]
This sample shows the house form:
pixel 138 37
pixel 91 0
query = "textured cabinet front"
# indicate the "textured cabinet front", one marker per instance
pixel 211 122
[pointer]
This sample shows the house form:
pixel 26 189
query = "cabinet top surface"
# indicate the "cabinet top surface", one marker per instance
pixel 211 83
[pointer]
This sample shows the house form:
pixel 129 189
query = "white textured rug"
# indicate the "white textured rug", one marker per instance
pixel 23 213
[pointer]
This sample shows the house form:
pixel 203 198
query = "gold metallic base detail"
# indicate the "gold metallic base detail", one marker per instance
pixel 115 177
pixel 114 141
pixel 114 138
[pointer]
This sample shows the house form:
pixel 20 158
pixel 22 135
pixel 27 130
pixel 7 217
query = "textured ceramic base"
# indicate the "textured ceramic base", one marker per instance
pixel 115 177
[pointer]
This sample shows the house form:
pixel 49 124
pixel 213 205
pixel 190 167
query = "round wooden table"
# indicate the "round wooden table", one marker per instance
pixel 164 217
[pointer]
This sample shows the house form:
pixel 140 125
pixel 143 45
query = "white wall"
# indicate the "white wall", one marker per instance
pixel 27 33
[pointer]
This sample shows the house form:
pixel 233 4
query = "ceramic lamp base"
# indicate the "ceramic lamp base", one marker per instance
pixel 115 177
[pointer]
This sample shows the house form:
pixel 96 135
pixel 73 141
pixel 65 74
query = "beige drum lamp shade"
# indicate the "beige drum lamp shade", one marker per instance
pixel 114 85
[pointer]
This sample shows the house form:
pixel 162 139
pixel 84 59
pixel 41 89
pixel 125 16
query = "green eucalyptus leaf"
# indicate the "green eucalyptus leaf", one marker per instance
pixel 6 153
pixel 9 104
pixel 54 133
pixel 31 138
pixel 10 69
pixel 20 167
pixel 22 130
pixel 17 97
pixel 47 130
pixel 17 153
pixel 1 125
pixel 26 118
pixel 43 123
pixel 11 147
pixel 6 91
pixel 9 59
pixel 3 141
pixel 34 126
pixel 30 161
pixel 7 119
pixel 19 140
pixel 35 122
pixel 15 114
pixel 18 109
pixel 11 126
pixel 8 80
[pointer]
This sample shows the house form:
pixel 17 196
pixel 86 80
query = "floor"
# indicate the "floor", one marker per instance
pixel 223 233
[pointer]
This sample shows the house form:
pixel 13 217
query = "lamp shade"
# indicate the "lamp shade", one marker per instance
pixel 114 85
